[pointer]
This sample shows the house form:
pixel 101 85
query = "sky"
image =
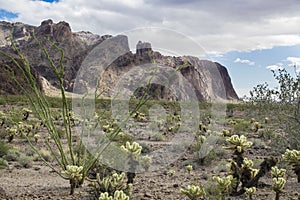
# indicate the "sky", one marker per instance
pixel 250 38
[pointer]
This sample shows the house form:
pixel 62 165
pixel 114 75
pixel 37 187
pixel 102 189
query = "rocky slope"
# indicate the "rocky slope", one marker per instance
pixel 208 79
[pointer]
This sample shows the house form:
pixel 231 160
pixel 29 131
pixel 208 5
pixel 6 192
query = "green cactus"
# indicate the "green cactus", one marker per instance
pixel 146 162
pixel 74 174
pixel 120 195
pixel 250 191
pixel 293 159
pixel 12 132
pixel 139 116
pixel 247 172
pixel 112 183
pixel 278 186
pixel 277 173
pixel 171 172
pixel 36 137
pixel 189 168
pixel 247 163
pixel 26 113
pixel 117 180
pixel 105 196
pixel 3 118
pixel 201 139
pixel 238 143
pixel 256 126
pixel 224 184
pixel 134 148
pixel 193 192
pixel 267 119
pixel 225 132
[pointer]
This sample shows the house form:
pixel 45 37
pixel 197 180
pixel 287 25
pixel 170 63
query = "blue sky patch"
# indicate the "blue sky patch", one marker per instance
pixel 247 69
pixel 50 1
pixel 4 15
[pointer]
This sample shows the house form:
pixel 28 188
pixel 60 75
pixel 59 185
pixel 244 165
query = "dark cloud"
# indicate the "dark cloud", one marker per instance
pixel 219 26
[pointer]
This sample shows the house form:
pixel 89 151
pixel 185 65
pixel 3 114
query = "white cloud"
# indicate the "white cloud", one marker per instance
pixel 248 62
pixel 293 61
pixel 218 26
pixel 274 67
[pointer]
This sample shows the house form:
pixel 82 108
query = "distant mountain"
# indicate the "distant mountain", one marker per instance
pixel 207 78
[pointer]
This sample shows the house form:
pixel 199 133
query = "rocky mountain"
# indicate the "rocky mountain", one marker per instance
pixel 208 79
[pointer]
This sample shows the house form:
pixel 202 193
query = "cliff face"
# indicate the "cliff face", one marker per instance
pixel 207 79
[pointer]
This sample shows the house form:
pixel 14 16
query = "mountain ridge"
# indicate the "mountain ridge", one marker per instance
pixel 207 78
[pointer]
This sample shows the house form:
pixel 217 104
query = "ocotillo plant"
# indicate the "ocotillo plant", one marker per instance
pixel 72 167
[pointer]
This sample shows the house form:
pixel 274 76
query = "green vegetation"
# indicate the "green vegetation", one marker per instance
pixel 255 135
pixel 193 192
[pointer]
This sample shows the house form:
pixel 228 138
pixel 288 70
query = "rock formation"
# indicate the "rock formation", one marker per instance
pixel 205 77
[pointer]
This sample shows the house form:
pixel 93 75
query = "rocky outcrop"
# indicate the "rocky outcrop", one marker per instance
pixel 206 78
pixel 10 73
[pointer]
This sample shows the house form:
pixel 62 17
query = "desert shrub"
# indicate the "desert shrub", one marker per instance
pixel 3 163
pixel 12 154
pixel 157 137
pixel 44 154
pixel 242 126
pixel 283 100
pixel 4 148
pixel 25 161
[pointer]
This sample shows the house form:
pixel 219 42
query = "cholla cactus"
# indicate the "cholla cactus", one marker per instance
pixel 146 162
pixel 26 113
pixel 105 196
pixel 247 165
pixel 36 137
pixel 3 118
pixel 12 132
pixel 133 148
pixel 278 186
pixel 201 139
pixel 256 126
pixel 189 168
pixel 139 116
pixel 225 132
pixel 74 174
pixel 293 158
pixel 193 192
pixel 238 143
pixel 171 172
pixel 277 173
pixel 224 184
pixel 117 180
pixel 267 119
pixel 250 191
pixel 113 183
pixel 120 195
